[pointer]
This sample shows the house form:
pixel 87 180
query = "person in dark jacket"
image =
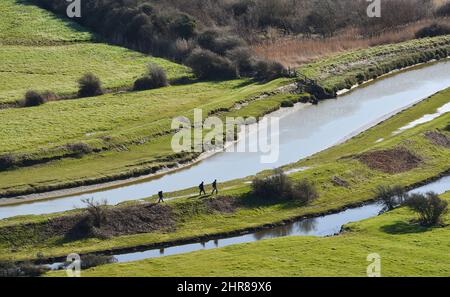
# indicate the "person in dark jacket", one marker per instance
pixel 161 196
pixel 214 186
pixel 201 187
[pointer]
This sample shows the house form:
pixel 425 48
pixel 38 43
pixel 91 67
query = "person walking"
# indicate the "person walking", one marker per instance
pixel 201 187
pixel 214 186
pixel 161 196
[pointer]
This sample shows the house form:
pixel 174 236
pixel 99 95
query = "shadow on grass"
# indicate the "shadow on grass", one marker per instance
pixel 401 227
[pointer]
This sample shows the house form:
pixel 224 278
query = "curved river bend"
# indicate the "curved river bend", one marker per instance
pixel 322 226
pixel 304 130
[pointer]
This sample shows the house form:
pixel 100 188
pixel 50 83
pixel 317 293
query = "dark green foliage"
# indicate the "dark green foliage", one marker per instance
pixel 208 65
pixel 89 261
pixel 11 269
pixel 89 85
pixel 268 70
pixel 155 78
pixel 287 103
pixel 390 196
pixel 280 186
pixel 33 98
pixel 433 30
pixel 429 207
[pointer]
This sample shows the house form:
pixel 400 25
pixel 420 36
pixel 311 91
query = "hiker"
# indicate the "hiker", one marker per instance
pixel 214 186
pixel 202 188
pixel 161 196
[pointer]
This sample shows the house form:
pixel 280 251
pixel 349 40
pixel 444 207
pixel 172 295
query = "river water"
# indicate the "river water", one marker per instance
pixel 322 226
pixel 304 130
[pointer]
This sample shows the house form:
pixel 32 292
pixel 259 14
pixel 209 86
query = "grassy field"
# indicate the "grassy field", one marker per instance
pixel 129 121
pixel 192 221
pixel 22 23
pixel 42 52
pixel 406 249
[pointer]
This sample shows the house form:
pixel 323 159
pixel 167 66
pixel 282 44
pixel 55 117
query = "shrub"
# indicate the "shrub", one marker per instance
pixel 429 207
pixel 89 85
pixel 7 161
pixel 433 30
pixel 97 212
pixel 444 10
pixel 390 196
pixel 208 65
pixel 447 128
pixel 33 98
pixel 304 191
pixel 275 186
pixel 89 261
pixel 287 103
pixel 183 26
pixel 80 148
pixel 155 78
pixel 269 70
pixel 11 269
pixel 242 58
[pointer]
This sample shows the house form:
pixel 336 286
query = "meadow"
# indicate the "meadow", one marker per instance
pixel 406 250
pixel 42 52
pixel 24 237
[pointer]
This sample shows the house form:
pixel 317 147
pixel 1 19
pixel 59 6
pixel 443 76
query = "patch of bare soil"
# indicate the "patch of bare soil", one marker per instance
pixel 224 204
pixel 438 139
pixel 119 221
pixel 392 161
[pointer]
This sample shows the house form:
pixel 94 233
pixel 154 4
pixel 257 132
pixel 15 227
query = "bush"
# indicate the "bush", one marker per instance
pixel 429 207
pixel 276 186
pixel 33 98
pixel 242 58
pixel 433 30
pixel 7 161
pixel 89 85
pixel 304 191
pixel 80 148
pixel 97 212
pixel 287 103
pixel 155 78
pixel 444 10
pixel 89 261
pixel 280 186
pixel 269 70
pixel 447 128
pixel 208 65
pixel 390 196
pixel 11 269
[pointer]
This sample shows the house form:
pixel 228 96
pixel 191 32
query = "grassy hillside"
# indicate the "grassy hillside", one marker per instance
pixel 406 249
pixel 42 52
pixel 191 219
pixel 23 24
pixel 129 120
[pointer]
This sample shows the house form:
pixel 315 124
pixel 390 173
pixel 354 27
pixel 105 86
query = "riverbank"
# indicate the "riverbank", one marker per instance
pixel 131 152
pixel 405 249
pixel 341 162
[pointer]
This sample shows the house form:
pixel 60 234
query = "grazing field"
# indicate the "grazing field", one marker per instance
pixel 192 219
pixel 22 23
pixel 42 52
pixel 406 249
pixel 129 121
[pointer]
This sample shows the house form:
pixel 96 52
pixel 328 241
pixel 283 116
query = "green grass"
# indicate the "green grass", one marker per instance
pixel 22 23
pixel 342 71
pixel 324 166
pixel 57 68
pixel 42 52
pixel 406 249
pixel 125 119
